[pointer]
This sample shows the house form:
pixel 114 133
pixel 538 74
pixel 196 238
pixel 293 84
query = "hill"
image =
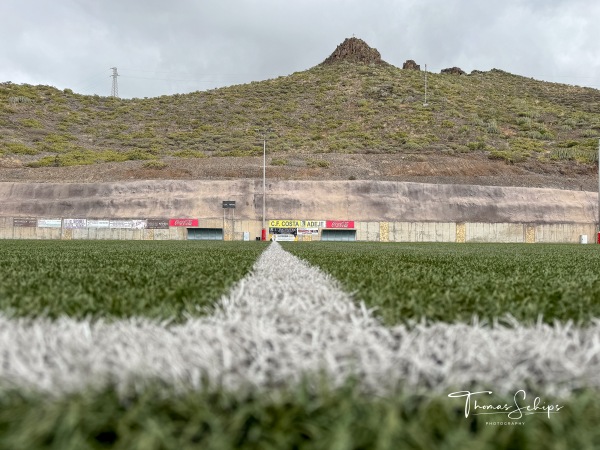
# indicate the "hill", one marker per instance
pixel 352 117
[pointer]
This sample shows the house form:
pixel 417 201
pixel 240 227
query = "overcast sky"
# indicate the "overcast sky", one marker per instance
pixel 163 47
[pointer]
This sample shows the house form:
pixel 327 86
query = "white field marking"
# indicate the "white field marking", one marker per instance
pixel 285 320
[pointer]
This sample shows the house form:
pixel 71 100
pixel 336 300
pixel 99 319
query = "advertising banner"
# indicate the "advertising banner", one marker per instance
pixel 74 223
pixel 157 223
pixel 284 237
pixel 308 231
pixel 98 223
pixel 22 222
pixel 138 224
pixel 119 223
pixel 313 224
pixel 283 230
pixel 297 223
pixel 49 223
pixel 284 223
pixel 339 224
pixel 183 222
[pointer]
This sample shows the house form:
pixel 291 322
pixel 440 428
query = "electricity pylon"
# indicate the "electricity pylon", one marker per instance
pixel 115 86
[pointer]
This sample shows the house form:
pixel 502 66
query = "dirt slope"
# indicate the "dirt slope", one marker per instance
pixel 425 168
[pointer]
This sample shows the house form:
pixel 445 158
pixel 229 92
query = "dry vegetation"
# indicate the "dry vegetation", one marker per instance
pixel 515 126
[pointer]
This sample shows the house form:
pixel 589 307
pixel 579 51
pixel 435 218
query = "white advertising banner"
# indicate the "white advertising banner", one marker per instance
pixel 121 223
pixel 138 224
pixel 49 223
pixel 284 237
pixel 74 223
pixel 98 223
pixel 308 231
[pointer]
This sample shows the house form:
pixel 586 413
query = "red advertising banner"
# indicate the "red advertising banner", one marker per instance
pixel 339 224
pixel 183 222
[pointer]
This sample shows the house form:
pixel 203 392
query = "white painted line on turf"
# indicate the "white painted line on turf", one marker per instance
pixel 287 319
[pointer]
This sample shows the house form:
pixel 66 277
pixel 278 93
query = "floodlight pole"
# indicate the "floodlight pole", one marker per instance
pixel 264 209
pixel 425 102
pixel 598 235
pixel 264 230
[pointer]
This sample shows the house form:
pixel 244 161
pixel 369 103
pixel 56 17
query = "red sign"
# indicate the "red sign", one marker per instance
pixel 183 222
pixel 339 224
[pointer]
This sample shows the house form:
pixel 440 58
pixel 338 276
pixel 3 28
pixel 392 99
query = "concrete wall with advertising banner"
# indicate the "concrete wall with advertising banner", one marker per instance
pixel 293 229
pixel 81 228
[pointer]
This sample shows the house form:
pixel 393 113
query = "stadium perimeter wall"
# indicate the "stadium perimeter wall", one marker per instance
pixel 365 231
pixel 377 210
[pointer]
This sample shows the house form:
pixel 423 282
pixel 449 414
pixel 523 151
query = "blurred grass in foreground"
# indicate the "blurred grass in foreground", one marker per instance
pixel 299 418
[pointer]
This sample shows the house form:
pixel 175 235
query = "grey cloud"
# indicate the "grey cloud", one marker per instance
pixel 180 46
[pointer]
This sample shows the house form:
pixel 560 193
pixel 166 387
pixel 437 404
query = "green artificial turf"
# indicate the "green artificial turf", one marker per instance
pixel 299 418
pixel 447 282
pixel 454 282
pixel 117 279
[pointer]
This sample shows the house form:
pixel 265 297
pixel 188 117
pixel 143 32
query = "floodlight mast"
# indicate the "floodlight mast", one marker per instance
pixel 598 234
pixel 264 139
pixel 425 102
pixel 264 230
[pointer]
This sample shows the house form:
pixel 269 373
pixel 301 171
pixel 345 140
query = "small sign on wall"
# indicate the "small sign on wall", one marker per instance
pixel 157 223
pixel 22 222
pixel 49 223
pixel 284 237
pixel 74 223
pixel 308 231
pixel 98 223
pixel 118 223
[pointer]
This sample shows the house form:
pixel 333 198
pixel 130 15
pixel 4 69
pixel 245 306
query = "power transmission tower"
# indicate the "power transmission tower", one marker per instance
pixel 115 86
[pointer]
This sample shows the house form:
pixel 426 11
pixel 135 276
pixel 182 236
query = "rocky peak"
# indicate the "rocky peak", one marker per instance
pixel 410 64
pixel 356 51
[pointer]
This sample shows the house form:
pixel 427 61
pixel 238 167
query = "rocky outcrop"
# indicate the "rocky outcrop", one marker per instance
pixel 454 71
pixel 409 64
pixel 354 50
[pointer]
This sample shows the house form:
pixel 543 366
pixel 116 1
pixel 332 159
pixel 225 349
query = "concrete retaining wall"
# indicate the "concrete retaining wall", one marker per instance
pixel 495 232
pixel 383 201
